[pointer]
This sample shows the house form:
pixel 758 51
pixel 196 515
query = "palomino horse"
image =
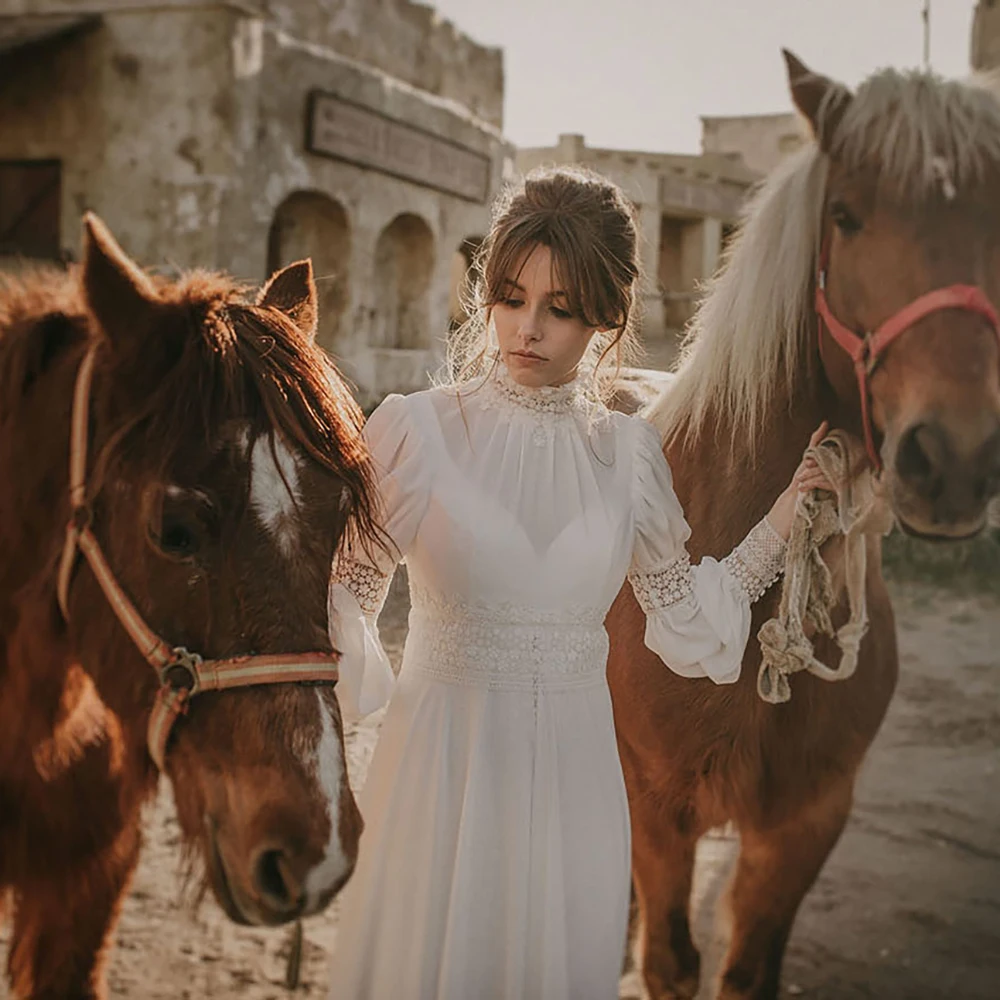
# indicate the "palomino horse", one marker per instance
pixel 897 196
pixel 225 464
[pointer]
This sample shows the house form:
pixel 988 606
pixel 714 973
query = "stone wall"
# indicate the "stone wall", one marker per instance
pixel 185 128
pixel 410 41
pixel 761 141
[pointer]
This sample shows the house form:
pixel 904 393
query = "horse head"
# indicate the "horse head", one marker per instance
pixel 227 465
pixel 908 275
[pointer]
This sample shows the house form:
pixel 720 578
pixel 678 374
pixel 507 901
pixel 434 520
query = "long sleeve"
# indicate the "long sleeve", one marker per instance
pixel 697 617
pixel 360 582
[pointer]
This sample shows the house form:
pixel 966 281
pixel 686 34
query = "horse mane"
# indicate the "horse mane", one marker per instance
pixel 220 358
pixel 750 334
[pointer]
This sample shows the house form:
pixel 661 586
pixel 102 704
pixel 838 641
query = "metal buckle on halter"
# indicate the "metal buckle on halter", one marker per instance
pixel 182 673
pixel 821 279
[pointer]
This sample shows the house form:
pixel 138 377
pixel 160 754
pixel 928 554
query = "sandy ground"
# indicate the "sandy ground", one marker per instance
pixel 907 908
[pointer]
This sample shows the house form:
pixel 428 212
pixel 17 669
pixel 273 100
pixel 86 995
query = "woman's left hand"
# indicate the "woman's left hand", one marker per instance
pixel 807 477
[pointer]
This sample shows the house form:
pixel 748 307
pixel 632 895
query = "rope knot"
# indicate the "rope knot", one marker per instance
pixel 808 597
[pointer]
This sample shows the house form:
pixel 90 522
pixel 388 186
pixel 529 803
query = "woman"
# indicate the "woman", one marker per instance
pixel 495 861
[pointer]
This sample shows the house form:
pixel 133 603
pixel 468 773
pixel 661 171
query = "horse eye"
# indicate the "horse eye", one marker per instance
pixel 185 522
pixel 844 219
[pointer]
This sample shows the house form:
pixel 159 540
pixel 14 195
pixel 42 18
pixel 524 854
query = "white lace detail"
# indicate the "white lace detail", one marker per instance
pixel 365 582
pixel 664 586
pixel 505 647
pixel 758 560
pixel 544 405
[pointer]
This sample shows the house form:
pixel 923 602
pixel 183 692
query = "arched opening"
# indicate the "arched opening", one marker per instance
pixel 310 224
pixel 460 280
pixel 404 263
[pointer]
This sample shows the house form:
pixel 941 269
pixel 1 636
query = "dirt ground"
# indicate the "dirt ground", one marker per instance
pixel 907 908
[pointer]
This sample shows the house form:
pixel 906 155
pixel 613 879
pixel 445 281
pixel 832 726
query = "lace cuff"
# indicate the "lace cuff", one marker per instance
pixel 758 560
pixel 660 588
pixel 368 585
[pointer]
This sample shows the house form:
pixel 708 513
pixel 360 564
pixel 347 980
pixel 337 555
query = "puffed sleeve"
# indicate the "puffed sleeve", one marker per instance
pixel 697 617
pixel 360 582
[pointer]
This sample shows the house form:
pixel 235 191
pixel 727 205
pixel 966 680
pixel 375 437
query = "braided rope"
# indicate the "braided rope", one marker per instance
pixel 808 596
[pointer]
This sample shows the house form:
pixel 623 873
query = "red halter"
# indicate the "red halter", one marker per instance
pixel 182 674
pixel 866 350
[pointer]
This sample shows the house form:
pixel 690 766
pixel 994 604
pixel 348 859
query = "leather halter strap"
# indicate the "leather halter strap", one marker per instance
pixel 866 350
pixel 182 674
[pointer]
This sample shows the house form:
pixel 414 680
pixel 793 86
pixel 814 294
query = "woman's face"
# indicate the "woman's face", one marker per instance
pixel 541 342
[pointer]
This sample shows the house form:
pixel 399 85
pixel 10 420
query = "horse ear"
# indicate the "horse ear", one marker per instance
pixel 293 292
pixel 119 294
pixel 823 101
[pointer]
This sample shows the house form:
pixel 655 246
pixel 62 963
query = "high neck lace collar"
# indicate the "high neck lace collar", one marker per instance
pixel 545 399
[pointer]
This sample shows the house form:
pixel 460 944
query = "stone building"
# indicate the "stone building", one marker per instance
pixel 761 141
pixel 686 207
pixel 243 134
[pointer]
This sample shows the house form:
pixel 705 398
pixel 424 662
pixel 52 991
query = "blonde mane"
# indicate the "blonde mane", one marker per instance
pixel 751 332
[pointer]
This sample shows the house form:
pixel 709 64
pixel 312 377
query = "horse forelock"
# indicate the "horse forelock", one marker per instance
pixel 750 335
pixel 237 363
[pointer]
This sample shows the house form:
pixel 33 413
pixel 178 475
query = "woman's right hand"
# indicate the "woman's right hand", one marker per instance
pixel 807 477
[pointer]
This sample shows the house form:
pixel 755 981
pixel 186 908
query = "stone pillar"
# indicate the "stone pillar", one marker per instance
pixel 650 302
pixel 702 245
pixel 985 44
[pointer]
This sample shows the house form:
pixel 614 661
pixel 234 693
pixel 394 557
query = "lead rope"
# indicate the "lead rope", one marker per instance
pixel 855 510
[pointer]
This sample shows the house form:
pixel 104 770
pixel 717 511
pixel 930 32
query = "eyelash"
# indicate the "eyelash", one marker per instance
pixel 555 310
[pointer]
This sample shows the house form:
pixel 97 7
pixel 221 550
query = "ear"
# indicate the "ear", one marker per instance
pixel 293 292
pixel 821 100
pixel 119 294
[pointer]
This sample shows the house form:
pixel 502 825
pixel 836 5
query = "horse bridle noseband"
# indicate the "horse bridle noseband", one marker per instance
pixel 182 674
pixel 866 349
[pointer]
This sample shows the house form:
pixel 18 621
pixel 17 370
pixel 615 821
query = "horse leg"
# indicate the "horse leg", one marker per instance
pixel 61 931
pixel 775 870
pixel 663 868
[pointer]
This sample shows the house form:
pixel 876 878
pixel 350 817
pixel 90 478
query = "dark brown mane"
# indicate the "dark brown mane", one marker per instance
pixel 233 360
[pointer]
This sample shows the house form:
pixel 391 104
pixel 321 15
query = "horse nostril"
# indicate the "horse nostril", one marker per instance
pixel 919 455
pixel 275 883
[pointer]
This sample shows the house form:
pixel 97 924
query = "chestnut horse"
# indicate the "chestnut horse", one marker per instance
pixel 226 463
pixel 897 195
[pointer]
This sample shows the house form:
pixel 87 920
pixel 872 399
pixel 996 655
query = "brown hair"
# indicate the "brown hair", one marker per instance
pixel 590 228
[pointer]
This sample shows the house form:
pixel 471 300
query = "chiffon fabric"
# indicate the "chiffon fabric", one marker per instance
pixel 495 858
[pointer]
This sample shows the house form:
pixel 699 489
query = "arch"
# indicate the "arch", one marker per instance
pixel 404 265
pixel 459 276
pixel 312 224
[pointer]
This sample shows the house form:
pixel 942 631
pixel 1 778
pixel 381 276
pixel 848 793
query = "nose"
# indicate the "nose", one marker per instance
pixel 279 882
pixel 957 480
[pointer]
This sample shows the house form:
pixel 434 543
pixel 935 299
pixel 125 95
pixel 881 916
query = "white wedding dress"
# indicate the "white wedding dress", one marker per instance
pixel 495 857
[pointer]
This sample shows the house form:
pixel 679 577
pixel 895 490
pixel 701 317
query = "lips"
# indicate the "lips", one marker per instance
pixel 528 355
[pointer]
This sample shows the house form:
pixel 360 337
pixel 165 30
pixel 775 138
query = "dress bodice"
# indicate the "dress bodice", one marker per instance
pixel 519 512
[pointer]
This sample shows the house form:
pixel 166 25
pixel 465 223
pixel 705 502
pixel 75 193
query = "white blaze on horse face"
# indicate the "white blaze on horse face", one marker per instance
pixel 274 489
pixel 331 769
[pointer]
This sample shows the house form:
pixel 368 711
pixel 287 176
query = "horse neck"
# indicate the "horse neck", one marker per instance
pixel 723 486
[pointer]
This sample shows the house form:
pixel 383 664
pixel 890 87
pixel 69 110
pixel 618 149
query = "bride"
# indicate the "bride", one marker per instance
pixel 495 861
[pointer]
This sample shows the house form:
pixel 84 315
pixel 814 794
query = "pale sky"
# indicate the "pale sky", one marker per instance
pixel 636 74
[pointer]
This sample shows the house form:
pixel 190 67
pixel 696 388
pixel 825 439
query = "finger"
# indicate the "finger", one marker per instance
pixel 819 434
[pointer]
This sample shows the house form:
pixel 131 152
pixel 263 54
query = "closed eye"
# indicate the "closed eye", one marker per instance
pixel 560 313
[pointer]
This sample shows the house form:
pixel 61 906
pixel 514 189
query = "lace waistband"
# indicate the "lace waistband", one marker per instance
pixel 506 656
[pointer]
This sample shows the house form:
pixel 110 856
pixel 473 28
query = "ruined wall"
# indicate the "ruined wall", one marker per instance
pixel 393 269
pixel 139 112
pixel 408 40
pixel 761 141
